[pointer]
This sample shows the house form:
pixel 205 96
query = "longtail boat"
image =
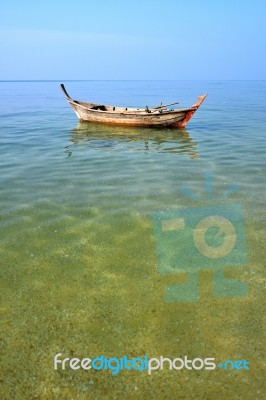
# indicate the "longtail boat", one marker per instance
pixel 156 116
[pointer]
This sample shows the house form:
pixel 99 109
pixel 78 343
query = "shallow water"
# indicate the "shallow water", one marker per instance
pixel 79 272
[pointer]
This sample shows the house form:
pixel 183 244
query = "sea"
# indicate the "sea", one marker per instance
pixel 84 251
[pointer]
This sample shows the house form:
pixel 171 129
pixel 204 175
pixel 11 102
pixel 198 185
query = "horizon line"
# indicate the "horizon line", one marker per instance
pixel 122 80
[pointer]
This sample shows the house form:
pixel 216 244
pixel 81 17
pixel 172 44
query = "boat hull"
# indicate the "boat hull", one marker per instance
pixel 171 118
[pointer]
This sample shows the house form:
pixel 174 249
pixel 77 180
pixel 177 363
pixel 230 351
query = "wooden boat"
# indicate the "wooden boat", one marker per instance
pixel 156 116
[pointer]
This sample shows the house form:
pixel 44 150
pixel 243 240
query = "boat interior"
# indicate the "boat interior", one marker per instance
pixel 102 107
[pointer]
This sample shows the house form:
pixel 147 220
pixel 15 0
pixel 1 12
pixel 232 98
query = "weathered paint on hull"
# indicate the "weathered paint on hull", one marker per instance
pixel 131 120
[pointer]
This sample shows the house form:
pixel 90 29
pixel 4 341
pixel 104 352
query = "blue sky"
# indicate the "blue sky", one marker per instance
pixel 173 39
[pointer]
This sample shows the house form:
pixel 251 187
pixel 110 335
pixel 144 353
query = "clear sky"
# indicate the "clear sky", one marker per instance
pixel 141 39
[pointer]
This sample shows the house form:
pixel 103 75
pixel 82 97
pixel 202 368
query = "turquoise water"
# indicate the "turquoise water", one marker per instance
pixel 79 272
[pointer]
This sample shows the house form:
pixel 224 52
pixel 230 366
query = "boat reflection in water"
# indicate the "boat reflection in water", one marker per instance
pixel 131 139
